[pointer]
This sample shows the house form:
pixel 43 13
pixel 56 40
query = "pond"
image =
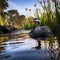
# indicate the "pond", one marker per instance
pixel 22 47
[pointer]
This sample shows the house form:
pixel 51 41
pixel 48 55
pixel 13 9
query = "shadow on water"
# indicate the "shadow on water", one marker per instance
pixel 28 48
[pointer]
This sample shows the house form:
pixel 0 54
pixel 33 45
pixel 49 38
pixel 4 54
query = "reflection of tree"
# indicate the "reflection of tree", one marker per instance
pixel 1 48
pixel 58 49
pixel 3 39
pixel 54 51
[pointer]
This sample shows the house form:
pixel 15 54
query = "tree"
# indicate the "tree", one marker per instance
pixel 16 19
pixel 3 5
pixel 22 20
pixel 13 17
pixel 5 19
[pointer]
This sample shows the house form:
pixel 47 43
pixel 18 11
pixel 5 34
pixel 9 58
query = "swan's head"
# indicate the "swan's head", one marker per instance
pixel 37 20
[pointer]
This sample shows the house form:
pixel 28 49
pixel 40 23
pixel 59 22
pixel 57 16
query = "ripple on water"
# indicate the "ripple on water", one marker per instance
pixel 25 46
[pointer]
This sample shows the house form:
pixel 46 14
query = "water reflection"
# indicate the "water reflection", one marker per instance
pixel 38 46
pixel 20 43
pixel 54 49
pixel 51 47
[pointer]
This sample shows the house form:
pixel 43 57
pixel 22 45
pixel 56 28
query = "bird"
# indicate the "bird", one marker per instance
pixel 40 31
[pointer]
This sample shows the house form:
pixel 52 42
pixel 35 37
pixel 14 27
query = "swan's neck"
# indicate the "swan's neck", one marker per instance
pixel 38 23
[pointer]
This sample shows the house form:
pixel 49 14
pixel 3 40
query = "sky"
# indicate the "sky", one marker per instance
pixel 20 6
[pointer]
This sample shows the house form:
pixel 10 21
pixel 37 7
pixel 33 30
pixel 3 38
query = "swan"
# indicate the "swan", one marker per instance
pixel 40 31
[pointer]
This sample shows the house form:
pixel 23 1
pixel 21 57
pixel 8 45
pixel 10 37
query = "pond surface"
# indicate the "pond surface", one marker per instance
pixel 22 47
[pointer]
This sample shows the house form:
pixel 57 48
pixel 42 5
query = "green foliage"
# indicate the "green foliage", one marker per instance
pixel 28 25
pixel 3 5
pixel 48 17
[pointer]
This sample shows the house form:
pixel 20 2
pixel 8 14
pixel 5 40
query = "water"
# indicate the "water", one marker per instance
pixel 22 47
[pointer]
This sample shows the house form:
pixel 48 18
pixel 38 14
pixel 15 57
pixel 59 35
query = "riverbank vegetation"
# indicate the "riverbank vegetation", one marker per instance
pixel 50 16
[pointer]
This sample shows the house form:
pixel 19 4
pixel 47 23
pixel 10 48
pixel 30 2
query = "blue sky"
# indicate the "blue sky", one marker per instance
pixel 20 5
